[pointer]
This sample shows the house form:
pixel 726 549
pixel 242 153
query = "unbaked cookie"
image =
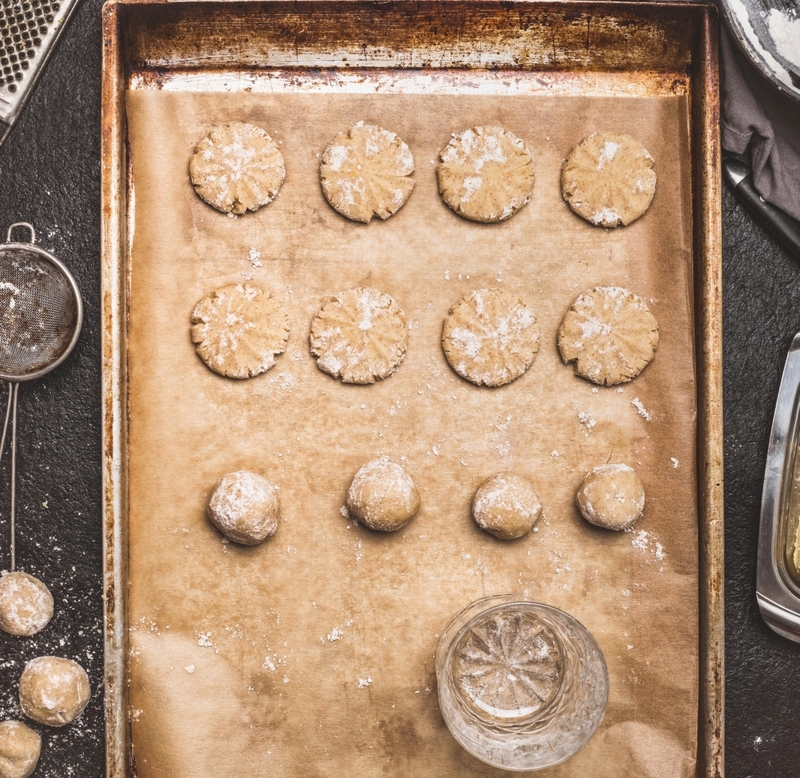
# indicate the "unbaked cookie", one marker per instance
pixel 359 336
pixel 26 604
pixel 611 496
pixel 610 335
pixel 485 174
pixel 365 172
pixel 507 505
pixel 383 496
pixel 244 507
pixel 608 179
pixel 490 337
pixel 53 691
pixel 20 747
pixel 237 167
pixel 238 330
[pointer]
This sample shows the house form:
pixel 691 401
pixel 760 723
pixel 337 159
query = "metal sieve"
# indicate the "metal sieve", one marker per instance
pixel 40 319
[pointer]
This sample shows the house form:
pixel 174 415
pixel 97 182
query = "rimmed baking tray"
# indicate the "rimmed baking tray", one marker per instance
pixel 586 50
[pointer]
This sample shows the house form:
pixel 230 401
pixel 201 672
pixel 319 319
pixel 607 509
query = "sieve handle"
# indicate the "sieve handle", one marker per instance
pixel 21 224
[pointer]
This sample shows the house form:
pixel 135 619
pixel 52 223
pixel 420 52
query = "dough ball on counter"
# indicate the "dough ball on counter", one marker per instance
pixel 485 174
pixel 20 747
pixel 383 496
pixel 507 505
pixel 239 329
pixel 53 690
pixel 244 507
pixel 359 336
pixel 237 168
pixel 611 496
pixel 365 172
pixel 26 605
pixel 610 335
pixel 490 337
pixel 608 179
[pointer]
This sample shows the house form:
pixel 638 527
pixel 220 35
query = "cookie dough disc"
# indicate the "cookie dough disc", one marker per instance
pixel 26 604
pixel 237 167
pixel 610 335
pixel 485 174
pixel 239 329
pixel 608 179
pixel 383 496
pixel 611 496
pixel 359 336
pixel 244 507
pixel 53 691
pixel 507 505
pixel 19 749
pixel 490 337
pixel 365 172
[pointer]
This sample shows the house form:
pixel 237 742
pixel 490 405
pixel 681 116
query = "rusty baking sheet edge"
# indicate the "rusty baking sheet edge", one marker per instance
pixel 704 98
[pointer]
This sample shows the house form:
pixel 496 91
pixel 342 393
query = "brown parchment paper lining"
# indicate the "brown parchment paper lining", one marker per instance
pixel 312 654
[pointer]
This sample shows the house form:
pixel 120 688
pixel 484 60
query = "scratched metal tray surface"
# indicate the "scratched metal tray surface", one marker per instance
pixel 575 47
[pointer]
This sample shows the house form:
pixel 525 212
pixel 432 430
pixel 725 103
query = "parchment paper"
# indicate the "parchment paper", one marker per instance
pixel 312 654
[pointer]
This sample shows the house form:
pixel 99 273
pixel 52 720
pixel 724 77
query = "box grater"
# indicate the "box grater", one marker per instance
pixel 28 32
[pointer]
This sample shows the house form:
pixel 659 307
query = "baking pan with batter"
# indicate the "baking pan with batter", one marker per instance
pixel 313 653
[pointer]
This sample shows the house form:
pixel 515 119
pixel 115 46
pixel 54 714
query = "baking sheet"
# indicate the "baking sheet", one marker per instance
pixel 313 654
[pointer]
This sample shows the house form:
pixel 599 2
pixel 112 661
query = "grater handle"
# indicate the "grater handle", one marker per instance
pixel 22 224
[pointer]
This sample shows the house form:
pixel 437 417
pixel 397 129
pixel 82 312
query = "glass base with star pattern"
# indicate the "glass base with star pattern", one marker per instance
pixel 522 685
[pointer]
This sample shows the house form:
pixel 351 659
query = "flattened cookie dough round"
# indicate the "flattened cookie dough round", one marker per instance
pixel 244 507
pixel 611 496
pixel 382 496
pixel 608 179
pixel 237 168
pixel 20 747
pixel 365 172
pixel 359 336
pixel 485 174
pixel 507 505
pixel 610 335
pixel 239 329
pixel 53 690
pixel 490 337
pixel 26 605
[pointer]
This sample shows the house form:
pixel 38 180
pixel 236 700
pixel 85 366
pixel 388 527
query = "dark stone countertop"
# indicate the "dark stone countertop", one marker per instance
pixel 50 176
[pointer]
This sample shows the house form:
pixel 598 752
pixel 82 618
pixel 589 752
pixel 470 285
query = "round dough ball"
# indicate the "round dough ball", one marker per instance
pixel 359 336
pixel 610 335
pixel 244 507
pixel 608 179
pixel 611 496
pixel 490 337
pixel 20 747
pixel 507 505
pixel 53 691
pixel 365 172
pixel 26 605
pixel 237 167
pixel 485 174
pixel 383 496
pixel 238 330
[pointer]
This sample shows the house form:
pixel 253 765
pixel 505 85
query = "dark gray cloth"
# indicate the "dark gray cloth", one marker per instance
pixel 756 115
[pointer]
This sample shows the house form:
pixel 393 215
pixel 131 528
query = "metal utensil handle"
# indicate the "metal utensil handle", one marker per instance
pixel 21 224
pixel 11 412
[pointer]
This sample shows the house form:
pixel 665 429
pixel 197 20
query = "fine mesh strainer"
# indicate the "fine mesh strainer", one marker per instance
pixel 28 31
pixel 40 319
